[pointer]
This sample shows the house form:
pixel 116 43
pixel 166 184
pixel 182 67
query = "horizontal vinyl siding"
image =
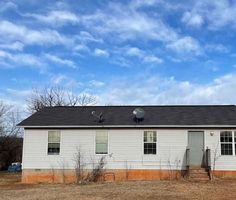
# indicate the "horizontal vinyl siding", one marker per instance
pixel 125 149
pixel 221 162
pixel 35 150
pixel 172 147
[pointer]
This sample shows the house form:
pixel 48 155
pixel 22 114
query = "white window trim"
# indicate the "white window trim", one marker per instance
pixel 157 142
pixel 233 135
pixel 108 148
pixel 51 142
pixel 233 143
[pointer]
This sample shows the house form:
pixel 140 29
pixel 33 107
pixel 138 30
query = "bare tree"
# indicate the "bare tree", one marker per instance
pixel 4 109
pixel 11 121
pixel 216 156
pixel 86 100
pixel 57 96
pixel 98 170
pixel 10 136
pixel 79 166
pixel 9 117
pixel 83 174
pixel 63 166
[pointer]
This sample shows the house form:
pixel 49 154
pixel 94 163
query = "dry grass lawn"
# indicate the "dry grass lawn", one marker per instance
pixel 11 188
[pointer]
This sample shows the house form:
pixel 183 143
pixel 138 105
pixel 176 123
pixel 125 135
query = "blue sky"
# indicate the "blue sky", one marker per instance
pixel 123 52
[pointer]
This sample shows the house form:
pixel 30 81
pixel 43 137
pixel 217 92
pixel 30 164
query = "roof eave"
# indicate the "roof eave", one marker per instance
pixel 129 126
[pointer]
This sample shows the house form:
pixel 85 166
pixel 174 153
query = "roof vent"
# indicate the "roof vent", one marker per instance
pixel 138 114
pixel 99 117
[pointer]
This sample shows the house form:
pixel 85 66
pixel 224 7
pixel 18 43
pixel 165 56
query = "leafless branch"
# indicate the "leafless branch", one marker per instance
pixel 57 96
pixel 10 143
pixel 86 100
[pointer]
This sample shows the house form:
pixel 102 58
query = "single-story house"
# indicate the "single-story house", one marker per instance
pixel 136 142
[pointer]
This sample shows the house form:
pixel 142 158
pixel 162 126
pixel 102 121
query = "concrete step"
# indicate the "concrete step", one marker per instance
pixel 199 175
pixel 200 170
pixel 196 172
pixel 200 179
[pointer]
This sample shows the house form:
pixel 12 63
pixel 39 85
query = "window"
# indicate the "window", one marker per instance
pixel 235 143
pixel 150 142
pixel 54 138
pixel 101 142
pixel 226 142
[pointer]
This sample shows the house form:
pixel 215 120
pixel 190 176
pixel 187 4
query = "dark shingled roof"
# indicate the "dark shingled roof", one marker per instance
pixel 123 116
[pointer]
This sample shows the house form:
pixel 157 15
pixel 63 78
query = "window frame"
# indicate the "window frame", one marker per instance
pixel 95 143
pixel 149 142
pixel 233 142
pixel 53 154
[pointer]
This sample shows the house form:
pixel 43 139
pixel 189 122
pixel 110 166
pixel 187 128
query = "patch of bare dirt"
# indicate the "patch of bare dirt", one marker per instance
pixel 138 190
pixel 9 178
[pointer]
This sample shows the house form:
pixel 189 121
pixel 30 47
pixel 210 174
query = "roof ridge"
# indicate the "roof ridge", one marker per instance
pixel 217 105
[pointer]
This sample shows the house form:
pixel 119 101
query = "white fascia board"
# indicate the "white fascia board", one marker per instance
pixel 134 126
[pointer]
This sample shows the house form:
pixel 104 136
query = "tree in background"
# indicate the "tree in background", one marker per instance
pixel 56 96
pixel 10 136
pixel 3 111
pixel 11 140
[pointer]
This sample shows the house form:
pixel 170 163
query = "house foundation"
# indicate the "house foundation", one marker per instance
pixel 69 176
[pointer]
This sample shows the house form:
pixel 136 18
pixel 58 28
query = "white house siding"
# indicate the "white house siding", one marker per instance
pixel 222 162
pixel 125 149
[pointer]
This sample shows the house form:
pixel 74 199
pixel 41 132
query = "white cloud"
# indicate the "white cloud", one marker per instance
pixel 18 93
pixel 16 98
pixel 81 48
pixel 134 51
pixel 162 4
pixel 186 45
pixel 58 79
pixel 13 60
pixel 167 90
pixel 144 56
pixel 4 6
pixel 16 46
pixel 152 59
pixel 129 24
pixel 216 14
pixel 211 65
pixel 21 59
pixel 60 61
pixel 67 82
pixel 56 17
pixel 121 61
pixel 101 52
pixel 96 83
pixel 125 22
pixel 216 48
pixel 192 19
pixel 11 32
pixel 221 13
pixel 85 36
pixel 140 3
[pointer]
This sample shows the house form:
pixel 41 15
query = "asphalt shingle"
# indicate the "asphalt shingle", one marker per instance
pixel 217 115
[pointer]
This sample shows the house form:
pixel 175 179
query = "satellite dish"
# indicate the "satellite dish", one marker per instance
pixel 99 117
pixel 139 113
